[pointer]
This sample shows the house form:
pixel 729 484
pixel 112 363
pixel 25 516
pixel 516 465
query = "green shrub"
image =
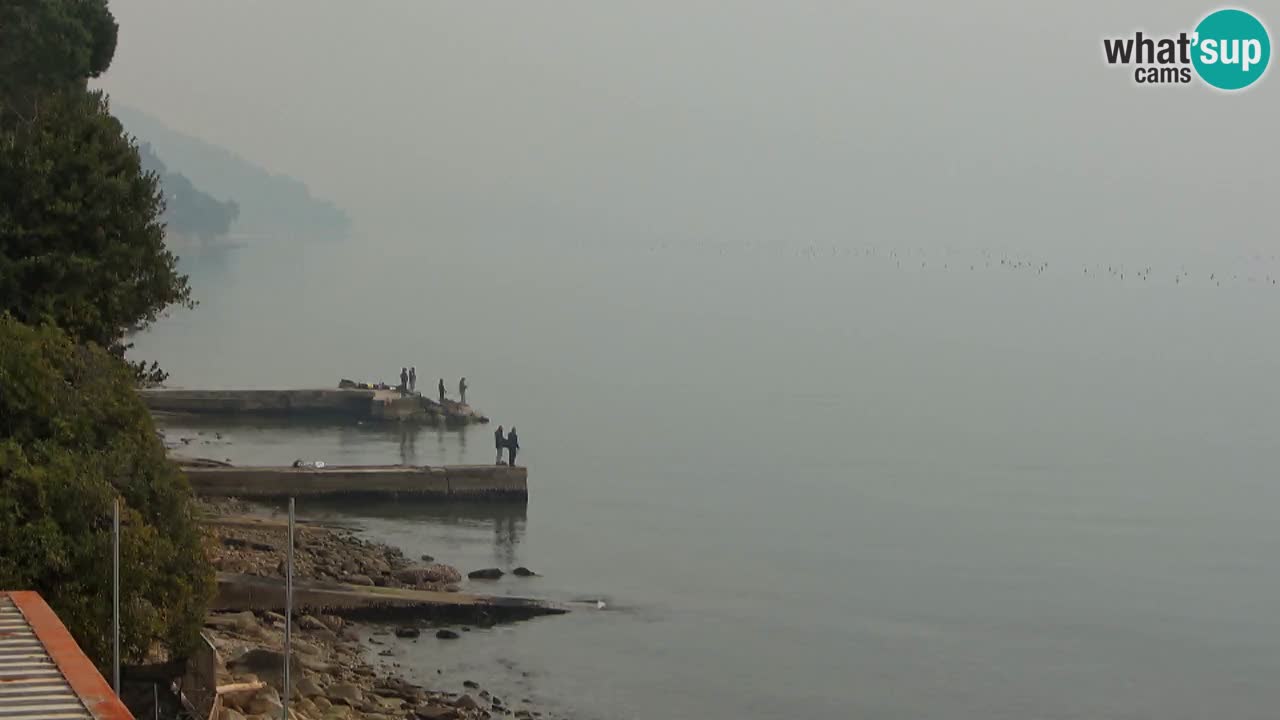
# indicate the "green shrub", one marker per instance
pixel 73 435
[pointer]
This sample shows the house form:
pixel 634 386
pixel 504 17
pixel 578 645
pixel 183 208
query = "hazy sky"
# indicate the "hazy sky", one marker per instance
pixel 995 121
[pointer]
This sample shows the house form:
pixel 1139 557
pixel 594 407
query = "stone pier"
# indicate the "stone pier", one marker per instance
pixel 442 483
pixel 353 403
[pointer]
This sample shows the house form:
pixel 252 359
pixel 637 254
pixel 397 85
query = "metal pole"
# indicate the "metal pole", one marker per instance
pixel 115 597
pixel 288 615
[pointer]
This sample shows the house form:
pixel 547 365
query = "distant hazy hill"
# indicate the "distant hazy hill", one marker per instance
pixel 189 212
pixel 268 204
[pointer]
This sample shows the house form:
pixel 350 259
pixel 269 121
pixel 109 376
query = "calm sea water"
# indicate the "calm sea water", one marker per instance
pixel 871 481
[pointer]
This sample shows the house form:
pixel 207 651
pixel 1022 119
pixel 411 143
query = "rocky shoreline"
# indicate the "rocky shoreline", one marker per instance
pixel 331 672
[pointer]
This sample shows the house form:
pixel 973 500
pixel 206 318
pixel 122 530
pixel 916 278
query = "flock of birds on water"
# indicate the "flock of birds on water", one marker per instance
pixel 1254 268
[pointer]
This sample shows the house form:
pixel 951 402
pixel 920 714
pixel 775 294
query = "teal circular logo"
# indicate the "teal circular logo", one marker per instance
pixel 1232 49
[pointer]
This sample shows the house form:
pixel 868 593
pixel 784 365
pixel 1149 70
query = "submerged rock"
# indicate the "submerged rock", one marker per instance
pixel 523 572
pixel 486 574
pixel 408 632
pixel 447 635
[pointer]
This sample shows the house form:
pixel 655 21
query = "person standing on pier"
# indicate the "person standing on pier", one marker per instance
pixel 441 391
pixel 413 378
pixel 462 391
pixel 513 446
pixel 404 379
pixel 499 442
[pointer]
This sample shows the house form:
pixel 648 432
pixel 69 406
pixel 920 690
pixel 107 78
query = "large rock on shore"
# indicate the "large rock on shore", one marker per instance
pixel 346 693
pixel 308 688
pixel 436 712
pixel 435 573
pixel 266 664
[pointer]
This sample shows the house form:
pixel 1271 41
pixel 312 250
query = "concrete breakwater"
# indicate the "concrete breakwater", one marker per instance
pixel 454 482
pixel 360 404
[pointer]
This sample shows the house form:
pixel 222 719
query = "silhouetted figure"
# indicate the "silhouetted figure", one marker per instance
pixel 499 442
pixel 441 391
pixel 404 379
pixel 413 378
pixel 513 446
pixel 462 391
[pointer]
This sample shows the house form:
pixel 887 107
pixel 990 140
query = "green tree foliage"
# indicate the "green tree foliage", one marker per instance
pixel 51 45
pixel 81 241
pixel 82 264
pixel 73 436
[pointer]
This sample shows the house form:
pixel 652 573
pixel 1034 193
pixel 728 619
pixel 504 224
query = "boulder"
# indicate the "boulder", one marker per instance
pixel 308 688
pixel 266 702
pixel 304 647
pixel 242 622
pixel 230 714
pixel 433 573
pixel 447 635
pixel 398 688
pixel 345 693
pixel 408 632
pixel 266 664
pixel 308 622
pixel 486 574
pixel 466 702
pixel 428 558
pixel 315 664
pixel 359 579
pixel 523 572
pixel 325 635
pixel 436 712
pixel 305 708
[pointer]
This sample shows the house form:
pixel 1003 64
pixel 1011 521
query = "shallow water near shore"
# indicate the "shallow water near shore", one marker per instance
pixel 884 492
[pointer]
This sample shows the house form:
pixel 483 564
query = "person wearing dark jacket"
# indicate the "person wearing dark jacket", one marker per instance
pixel 413 378
pixel 441 391
pixel 513 446
pixel 404 379
pixel 499 442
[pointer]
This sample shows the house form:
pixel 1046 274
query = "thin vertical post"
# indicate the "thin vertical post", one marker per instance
pixel 288 616
pixel 115 596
